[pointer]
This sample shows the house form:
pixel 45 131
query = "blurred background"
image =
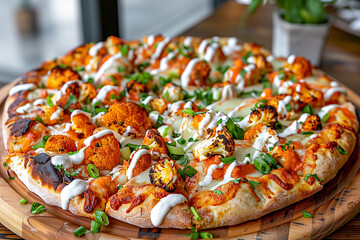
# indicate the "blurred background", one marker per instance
pixel 32 31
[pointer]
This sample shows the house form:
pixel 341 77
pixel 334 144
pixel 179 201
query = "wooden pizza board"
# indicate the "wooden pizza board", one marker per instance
pixel 331 208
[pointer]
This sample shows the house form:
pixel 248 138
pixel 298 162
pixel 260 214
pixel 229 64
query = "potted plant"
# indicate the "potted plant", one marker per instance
pixel 300 27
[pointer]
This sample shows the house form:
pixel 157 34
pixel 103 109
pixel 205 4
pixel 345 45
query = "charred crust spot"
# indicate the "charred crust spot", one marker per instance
pixel 97 145
pixel 44 170
pixel 91 201
pixel 19 101
pixel 20 127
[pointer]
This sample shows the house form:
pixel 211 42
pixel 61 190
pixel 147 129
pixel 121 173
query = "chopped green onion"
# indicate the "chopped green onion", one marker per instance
pixel 175 150
pixel 125 152
pixel 72 100
pixel 114 96
pixel 206 235
pixel 325 118
pixel 59 167
pixel 261 165
pixel 196 215
pixel 49 101
pixel 307 133
pixel 159 121
pixel 270 160
pixel 72 153
pixel 101 218
pixel 37 208
pixel 121 69
pixel 93 171
pixel 187 171
pixel 288 107
pixel 95 227
pixel 218 192
pixel 308 109
pixel 242 73
pixel 313 175
pixel 124 49
pixel 23 201
pixel 341 150
pixel 227 160
pixel 253 183
pixel 235 131
pixel 191 112
pixel 306 214
pixel 80 231
pixel 184 160
pixel 181 141
pixel 219 122
pixel 113 79
pixel 38 118
pixel 99 110
pixel 261 103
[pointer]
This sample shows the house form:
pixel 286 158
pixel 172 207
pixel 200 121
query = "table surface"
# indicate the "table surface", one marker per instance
pixel 341 60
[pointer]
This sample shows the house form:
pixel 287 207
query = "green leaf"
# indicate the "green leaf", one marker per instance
pixel 72 100
pixel 254 5
pixel 38 118
pixel 159 121
pixel 313 175
pixel 228 160
pixel 253 183
pixel 218 192
pixel 184 160
pixel 124 49
pixel 306 214
pixel 341 150
pixel 308 109
pixel 325 118
pixel 191 112
pixel 49 101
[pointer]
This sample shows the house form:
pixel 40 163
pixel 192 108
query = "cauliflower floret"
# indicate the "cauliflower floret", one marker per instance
pixel 216 143
pixel 287 158
pixel 158 104
pixel 58 76
pixel 87 91
pixel 60 144
pixel 123 114
pixel 155 142
pixel 134 89
pixel 172 93
pixel 76 57
pixel 164 175
pixel 312 96
pixel 83 125
pixel 143 162
pixel 199 74
pixel 266 115
pixel 103 152
pixel 260 62
pixel 312 123
pixel 262 136
pixel 301 67
pixel 51 115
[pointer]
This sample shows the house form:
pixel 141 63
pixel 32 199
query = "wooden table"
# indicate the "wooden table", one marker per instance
pixel 341 60
pixel 341 57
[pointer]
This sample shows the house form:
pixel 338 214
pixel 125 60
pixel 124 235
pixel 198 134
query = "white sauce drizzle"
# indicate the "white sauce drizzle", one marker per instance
pixel 56 114
pixel 325 110
pixel 208 177
pixel 185 76
pixel 101 95
pixel 135 156
pixel 187 41
pixel 161 209
pixel 106 65
pixel 160 48
pixel 94 49
pixel 331 91
pixel 291 59
pixel 22 87
pixel 75 188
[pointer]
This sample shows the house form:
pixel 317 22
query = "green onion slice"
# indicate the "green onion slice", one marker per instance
pixel 95 227
pixel 101 218
pixel 196 215
pixel 93 171
pixel 261 165
pixel 80 231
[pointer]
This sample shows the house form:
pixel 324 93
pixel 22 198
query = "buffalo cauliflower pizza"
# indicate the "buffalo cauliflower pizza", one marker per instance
pixel 176 133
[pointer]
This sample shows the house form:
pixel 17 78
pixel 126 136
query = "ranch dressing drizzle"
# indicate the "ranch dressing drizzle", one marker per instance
pixel 61 160
pixel 75 188
pixel 106 65
pixel 291 59
pixel 135 157
pixel 187 41
pixel 101 95
pixel 160 48
pixel 325 110
pixel 208 177
pixel 77 112
pixel 161 209
pixel 228 92
pixel 331 91
pixel 210 51
pixel 227 176
pixel 150 40
pixel 202 47
pixel 185 76
pixel 204 122
pixel 147 100
pixel 22 87
pixel 94 49
pixel 282 105
pixel 24 109
pixel 292 129
pixel 56 114
pixel 231 46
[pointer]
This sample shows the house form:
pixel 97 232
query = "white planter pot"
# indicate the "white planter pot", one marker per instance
pixel 305 40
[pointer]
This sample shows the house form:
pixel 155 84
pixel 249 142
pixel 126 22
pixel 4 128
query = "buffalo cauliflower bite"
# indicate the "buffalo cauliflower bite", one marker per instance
pixel 58 76
pixel 158 104
pixel 87 91
pixel 301 67
pixel 216 143
pixel 266 115
pixel 142 162
pixel 103 152
pixel 312 96
pixel 262 137
pixel 312 123
pixel 199 74
pixel 172 93
pixel 60 144
pixel 260 62
pixel 164 174
pixel 83 125
pixel 155 142
pixel 51 115
pixel 134 89
pixel 124 114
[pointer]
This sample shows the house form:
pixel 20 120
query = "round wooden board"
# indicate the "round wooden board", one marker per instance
pixel 331 208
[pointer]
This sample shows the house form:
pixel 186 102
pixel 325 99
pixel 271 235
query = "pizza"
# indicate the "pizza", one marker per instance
pixel 176 133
